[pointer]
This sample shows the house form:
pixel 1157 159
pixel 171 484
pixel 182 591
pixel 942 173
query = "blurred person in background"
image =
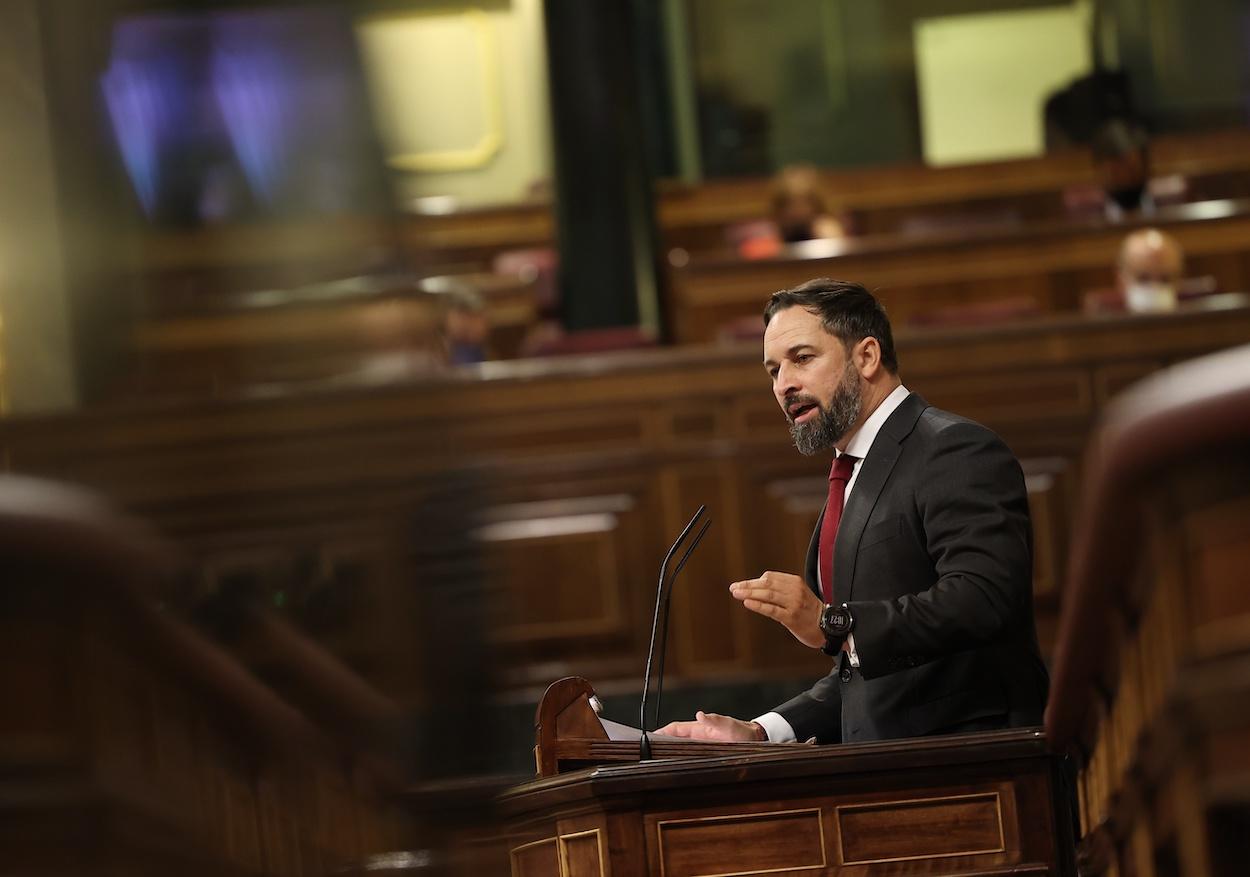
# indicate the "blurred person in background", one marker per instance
pixel 799 211
pixel 466 328
pixel 1121 151
pixel 1148 271
pixel 1121 155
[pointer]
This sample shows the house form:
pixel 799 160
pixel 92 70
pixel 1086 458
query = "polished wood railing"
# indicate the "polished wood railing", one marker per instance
pixel 1152 669
pixel 132 743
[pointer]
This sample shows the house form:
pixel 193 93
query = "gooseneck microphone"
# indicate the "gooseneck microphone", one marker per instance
pixel 662 593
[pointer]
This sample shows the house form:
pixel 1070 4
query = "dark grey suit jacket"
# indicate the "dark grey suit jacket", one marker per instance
pixel 934 555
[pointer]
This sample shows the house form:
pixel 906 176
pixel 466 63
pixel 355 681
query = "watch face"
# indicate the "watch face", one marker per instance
pixel 835 621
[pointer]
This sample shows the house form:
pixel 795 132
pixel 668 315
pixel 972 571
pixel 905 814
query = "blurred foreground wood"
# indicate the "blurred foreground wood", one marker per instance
pixel 1151 686
pixel 130 743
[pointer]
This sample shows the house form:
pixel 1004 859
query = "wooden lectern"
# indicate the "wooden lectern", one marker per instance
pixel 569 735
pixel 990 804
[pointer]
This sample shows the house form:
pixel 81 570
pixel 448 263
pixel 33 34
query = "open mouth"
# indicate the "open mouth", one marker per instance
pixel 801 412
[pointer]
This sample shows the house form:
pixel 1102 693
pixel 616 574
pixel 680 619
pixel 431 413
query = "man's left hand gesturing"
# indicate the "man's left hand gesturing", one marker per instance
pixel 785 598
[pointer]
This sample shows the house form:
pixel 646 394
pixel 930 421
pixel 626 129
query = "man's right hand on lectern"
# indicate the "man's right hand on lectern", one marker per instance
pixel 711 726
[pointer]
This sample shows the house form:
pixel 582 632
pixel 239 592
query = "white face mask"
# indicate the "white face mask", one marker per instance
pixel 1148 297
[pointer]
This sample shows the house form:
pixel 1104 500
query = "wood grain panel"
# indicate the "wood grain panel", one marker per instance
pixel 1003 396
pixel 1114 378
pixel 1218 544
pixel 783 494
pixel 1050 490
pixel 540 858
pixel 582 853
pixel 757 843
pixel 560 567
pixel 574 549
pixel 893 831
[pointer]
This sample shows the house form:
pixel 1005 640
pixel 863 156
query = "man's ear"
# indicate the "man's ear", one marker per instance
pixel 867 357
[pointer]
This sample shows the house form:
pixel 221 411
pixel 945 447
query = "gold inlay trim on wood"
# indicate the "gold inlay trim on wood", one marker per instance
pixel 881 805
pixel 824 855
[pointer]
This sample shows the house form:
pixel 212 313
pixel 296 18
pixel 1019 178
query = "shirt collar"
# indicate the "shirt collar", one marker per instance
pixel 861 442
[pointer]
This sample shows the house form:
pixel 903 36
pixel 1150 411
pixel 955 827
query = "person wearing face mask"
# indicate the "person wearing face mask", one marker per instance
pixel 918 580
pixel 1149 270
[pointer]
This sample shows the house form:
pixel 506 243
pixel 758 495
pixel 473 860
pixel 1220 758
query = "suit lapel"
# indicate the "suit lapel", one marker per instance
pixel 813 557
pixel 873 474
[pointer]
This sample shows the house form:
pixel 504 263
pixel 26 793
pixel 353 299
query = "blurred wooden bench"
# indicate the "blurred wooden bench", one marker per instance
pixel 1049 264
pixel 880 200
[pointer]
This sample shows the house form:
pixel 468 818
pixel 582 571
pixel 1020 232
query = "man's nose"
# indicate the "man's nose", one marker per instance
pixel 784 384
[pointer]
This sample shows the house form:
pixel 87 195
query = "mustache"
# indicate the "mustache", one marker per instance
pixel 800 399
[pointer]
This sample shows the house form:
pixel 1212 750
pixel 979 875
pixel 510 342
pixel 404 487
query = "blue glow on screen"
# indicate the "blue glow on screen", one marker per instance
pixel 232 115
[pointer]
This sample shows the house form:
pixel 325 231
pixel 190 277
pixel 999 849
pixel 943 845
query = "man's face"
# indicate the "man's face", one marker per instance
pixel 814 380
pixel 1151 260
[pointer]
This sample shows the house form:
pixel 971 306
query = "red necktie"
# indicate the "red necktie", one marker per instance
pixel 839 475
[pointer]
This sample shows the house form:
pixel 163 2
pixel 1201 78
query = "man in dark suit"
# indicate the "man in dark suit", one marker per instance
pixel 919 576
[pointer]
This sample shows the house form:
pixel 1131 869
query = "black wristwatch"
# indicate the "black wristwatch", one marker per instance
pixel 835 623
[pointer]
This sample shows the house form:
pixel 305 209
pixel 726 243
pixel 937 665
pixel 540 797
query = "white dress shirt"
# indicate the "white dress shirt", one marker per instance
pixel 774 725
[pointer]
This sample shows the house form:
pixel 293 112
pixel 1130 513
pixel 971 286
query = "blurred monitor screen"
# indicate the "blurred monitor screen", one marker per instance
pixel 242 115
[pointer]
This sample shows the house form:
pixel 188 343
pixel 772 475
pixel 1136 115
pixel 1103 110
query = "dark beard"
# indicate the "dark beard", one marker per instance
pixel 832 423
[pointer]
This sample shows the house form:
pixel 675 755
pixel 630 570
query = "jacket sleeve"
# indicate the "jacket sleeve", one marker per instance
pixel 973 507
pixel 816 712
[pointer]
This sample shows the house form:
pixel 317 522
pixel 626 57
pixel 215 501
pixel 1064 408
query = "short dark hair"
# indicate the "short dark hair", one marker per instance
pixel 847 311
